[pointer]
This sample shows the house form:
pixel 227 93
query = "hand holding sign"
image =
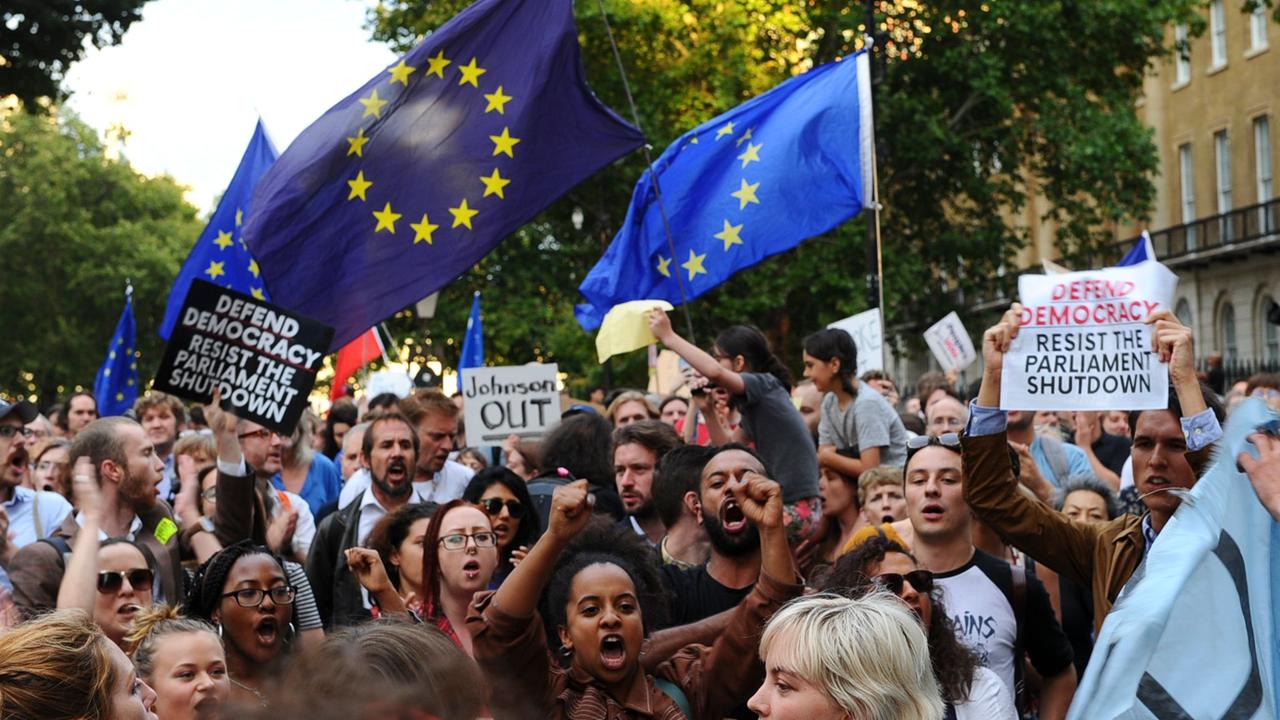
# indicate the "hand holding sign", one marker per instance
pixel 1173 342
pixel 995 343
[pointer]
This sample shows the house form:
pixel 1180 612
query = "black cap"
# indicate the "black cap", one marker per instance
pixel 25 410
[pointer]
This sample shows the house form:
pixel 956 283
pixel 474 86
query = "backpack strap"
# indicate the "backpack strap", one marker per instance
pixel 677 695
pixel 59 543
pixel 35 514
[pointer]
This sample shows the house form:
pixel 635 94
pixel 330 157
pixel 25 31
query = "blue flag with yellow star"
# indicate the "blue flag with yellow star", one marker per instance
pixel 220 256
pixel 410 180
pixel 756 181
pixel 116 385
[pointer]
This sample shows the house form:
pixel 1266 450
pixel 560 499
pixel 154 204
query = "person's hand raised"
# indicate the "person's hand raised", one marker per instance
pixel 367 566
pixel 84 488
pixel 570 509
pixel 997 339
pixel 1175 345
pixel 759 498
pixel 660 324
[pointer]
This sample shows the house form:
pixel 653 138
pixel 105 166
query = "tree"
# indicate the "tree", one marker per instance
pixel 74 225
pixel 40 39
pixel 982 105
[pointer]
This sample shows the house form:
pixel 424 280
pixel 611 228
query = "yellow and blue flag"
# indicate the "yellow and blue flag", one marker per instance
pixel 756 181
pixel 220 255
pixel 473 340
pixel 409 181
pixel 116 385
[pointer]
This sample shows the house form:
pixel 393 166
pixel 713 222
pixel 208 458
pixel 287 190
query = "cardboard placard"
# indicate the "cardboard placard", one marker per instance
pixel 1085 343
pixel 262 357
pixel 519 400
pixel 868 337
pixel 950 343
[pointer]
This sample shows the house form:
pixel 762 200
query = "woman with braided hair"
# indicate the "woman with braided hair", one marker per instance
pixel 244 593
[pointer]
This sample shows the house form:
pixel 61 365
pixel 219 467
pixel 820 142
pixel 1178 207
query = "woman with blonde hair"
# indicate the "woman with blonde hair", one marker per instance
pixel 182 659
pixel 828 657
pixel 61 667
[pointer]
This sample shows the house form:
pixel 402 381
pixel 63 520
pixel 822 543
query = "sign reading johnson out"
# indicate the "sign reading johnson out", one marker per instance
pixel 517 400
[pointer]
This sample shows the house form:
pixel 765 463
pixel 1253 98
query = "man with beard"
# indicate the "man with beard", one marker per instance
pixel 127 470
pixel 390 454
pixel 637 450
pixel 291 525
pixel 728 576
pixel 162 416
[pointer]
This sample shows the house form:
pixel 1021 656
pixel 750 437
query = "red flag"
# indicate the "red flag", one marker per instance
pixel 353 356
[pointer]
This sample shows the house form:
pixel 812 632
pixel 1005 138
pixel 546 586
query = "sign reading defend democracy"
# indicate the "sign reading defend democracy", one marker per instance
pixel 262 357
pixel 1085 343
pixel 519 400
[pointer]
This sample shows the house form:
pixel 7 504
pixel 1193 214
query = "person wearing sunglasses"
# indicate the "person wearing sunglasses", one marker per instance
pixel 504 497
pixel 244 592
pixel 971 690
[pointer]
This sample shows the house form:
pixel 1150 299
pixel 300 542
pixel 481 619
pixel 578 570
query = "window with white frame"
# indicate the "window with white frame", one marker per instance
pixel 1230 351
pixel 1182 56
pixel 1218 32
pixel 1187 189
pixel 1270 333
pixel 1258 27
pixel 1262 171
pixel 1222 169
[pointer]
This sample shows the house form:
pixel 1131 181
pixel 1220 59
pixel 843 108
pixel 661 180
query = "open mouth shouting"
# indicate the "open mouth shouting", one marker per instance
pixel 128 610
pixel 267 631
pixel 933 512
pixel 397 471
pixel 613 652
pixel 732 519
pixel 471 569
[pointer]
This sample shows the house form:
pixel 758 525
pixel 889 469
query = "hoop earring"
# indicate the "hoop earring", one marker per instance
pixel 219 631
pixel 293 633
pixel 566 652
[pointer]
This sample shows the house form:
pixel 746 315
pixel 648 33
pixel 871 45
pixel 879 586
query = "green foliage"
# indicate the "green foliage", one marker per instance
pixel 74 225
pixel 40 39
pixel 981 104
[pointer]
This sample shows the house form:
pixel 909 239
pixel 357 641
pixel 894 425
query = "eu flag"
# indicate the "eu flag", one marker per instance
pixel 220 255
pixel 410 180
pixel 116 386
pixel 473 341
pixel 756 181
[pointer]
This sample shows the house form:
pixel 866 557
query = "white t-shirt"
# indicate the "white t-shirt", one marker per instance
pixel 988 699
pixel 448 484
pixel 983 618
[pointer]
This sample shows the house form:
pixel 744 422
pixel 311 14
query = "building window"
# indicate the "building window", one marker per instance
pixel 1182 61
pixel 1186 177
pixel 1262 170
pixel 1228 323
pixel 1258 27
pixel 1222 171
pixel 1270 333
pixel 1218 32
pixel 1183 313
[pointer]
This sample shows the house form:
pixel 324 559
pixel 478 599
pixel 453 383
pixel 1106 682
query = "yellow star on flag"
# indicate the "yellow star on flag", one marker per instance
pixel 726 130
pixel 422 230
pixel 119 397
pixel 494 183
pixel 372 105
pixel 257 293
pixel 253 267
pixel 129 382
pixel 471 73
pixel 386 219
pixel 664 266
pixel 437 64
pixel 214 271
pixel 746 194
pixel 359 186
pixel 751 154
pixel 497 101
pixel 239 217
pixel 730 235
pixel 356 144
pixel 400 73
pixel 223 241
pixel 106 372
pixel 694 264
pixel 745 137
pixel 462 214
pixel 504 143
pixel 111 355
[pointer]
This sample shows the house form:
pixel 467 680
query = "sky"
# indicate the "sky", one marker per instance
pixel 192 77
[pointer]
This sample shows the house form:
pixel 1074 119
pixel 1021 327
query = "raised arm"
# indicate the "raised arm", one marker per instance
pixel 570 511
pixel 79 588
pixel 660 324
pixel 1264 472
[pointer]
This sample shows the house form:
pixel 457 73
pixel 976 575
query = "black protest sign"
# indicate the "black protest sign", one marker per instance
pixel 262 357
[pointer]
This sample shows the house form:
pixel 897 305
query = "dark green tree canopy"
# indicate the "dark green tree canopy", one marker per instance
pixel 40 39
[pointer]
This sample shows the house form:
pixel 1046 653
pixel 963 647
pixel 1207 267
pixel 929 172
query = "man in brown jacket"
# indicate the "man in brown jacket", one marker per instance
pixel 1170 449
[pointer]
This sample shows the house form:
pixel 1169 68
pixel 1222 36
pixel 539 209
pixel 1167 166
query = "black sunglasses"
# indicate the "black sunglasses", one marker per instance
pixel 950 441
pixel 110 581
pixel 493 506
pixel 921 580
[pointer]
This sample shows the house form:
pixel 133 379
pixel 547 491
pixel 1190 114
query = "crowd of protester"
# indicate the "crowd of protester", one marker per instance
pixel 840 547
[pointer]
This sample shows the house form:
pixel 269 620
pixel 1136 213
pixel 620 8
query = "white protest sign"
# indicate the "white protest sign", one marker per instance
pixel 868 337
pixel 500 401
pixel 950 343
pixel 1084 342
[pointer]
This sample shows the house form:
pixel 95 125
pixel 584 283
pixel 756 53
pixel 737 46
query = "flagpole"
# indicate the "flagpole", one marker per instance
pixel 653 176
pixel 874 257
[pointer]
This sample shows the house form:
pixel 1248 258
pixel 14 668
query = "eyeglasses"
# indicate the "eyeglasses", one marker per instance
pixel 950 441
pixel 50 466
pixel 211 494
pixel 253 597
pixel 1266 393
pixel 110 581
pixel 493 506
pixel 8 431
pixel 921 580
pixel 458 541
pixel 262 434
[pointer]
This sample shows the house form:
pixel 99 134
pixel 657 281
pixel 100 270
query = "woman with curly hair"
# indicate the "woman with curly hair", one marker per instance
pixel 603 596
pixel 972 691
